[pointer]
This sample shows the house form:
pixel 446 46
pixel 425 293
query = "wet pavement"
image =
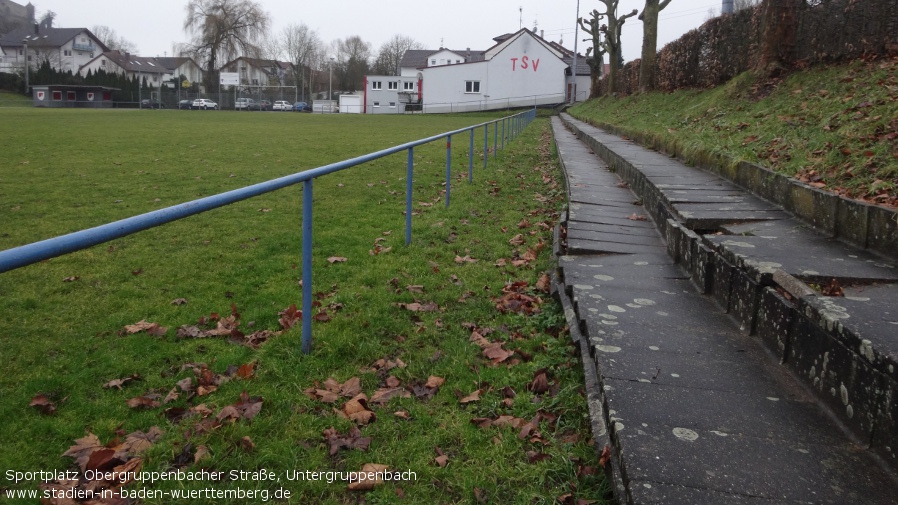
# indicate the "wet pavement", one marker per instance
pixel 700 378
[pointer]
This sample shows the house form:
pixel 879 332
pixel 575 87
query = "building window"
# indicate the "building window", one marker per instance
pixel 408 86
pixel 376 104
pixel 377 85
pixel 457 61
pixel 392 105
pixel 70 96
pixel 472 86
pixel 433 62
pixel 66 52
pixel 57 95
pixel 393 85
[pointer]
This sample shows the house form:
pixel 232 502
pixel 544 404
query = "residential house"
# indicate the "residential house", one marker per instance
pixel 156 71
pixel 182 66
pixel 260 72
pixel 65 49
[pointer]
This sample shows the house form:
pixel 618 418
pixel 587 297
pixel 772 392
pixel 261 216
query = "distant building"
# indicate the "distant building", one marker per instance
pixel 260 72
pixel 156 71
pixel 520 70
pixel 65 49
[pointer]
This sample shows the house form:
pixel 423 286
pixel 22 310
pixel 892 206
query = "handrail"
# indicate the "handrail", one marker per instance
pixel 28 254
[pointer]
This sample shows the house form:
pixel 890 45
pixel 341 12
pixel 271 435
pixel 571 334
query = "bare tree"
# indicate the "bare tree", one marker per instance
pixel 302 45
pixel 595 54
pixel 611 41
pixel 223 30
pixel 113 40
pixel 649 18
pixel 390 55
pixel 779 26
pixel 352 60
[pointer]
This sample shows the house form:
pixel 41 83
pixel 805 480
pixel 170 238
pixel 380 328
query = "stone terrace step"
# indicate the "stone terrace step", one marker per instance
pixel 695 410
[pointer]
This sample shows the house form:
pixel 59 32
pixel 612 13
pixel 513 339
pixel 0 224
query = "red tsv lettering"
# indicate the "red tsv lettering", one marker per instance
pixel 526 63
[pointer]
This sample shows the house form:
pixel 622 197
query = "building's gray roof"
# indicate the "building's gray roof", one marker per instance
pixel 134 63
pixel 46 37
pixel 582 66
pixel 417 58
pixel 171 62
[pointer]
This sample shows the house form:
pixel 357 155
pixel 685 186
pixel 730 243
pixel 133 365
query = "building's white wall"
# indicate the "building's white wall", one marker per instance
pixel 444 87
pixel 386 100
pixel 444 57
pixel 524 73
pixel 583 84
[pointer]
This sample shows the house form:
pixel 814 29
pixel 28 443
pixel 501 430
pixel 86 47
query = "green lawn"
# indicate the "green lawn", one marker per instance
pixel 390 316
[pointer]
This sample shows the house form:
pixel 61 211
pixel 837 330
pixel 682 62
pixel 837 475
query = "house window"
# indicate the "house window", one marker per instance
pixel 457 61
pixel 57 95
pixel 393 85
pixel 408 86
pixel 472 86
pixel 67 53
pixel 392 105
pixel 433 62
pixel 376 85
pixel 255 82
pixel 102 63
pixel 376 104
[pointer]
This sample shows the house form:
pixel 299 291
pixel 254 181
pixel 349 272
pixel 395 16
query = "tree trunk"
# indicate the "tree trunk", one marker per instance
pixel 778 35
pixel 649 19
pixel 595 77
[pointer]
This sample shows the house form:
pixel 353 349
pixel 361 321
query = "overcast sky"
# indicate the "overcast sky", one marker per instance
pixel 155 26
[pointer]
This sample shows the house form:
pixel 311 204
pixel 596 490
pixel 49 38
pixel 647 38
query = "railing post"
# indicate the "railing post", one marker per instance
pixel 503 133
pixel 496 141
pixel 486 143
pixel 471 158
pixel 448 168
pixel 408 195
pixel 307 266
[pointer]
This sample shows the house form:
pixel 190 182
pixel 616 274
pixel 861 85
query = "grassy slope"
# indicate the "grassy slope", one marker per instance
pixel 74 169
pixel 835 127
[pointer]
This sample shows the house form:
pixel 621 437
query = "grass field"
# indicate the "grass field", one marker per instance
pixel 468 376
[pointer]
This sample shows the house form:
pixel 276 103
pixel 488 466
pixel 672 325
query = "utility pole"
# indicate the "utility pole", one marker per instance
pixel 25 43
pixel 330 83
pixel 574 65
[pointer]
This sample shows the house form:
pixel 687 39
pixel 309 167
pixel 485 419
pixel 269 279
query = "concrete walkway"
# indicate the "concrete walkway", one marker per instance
pixel 676 293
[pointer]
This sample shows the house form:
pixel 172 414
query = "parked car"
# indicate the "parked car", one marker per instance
pixel 203 103
pixel 282 105
pixel 261 105
pixel 185 104
pixel 301 107
pixel 244 103
pixel 151 104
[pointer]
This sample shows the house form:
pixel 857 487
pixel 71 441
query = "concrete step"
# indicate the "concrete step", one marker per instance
pixel 698 409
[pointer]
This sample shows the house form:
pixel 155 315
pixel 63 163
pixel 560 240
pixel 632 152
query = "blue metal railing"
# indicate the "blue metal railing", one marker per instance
pixel 21 256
